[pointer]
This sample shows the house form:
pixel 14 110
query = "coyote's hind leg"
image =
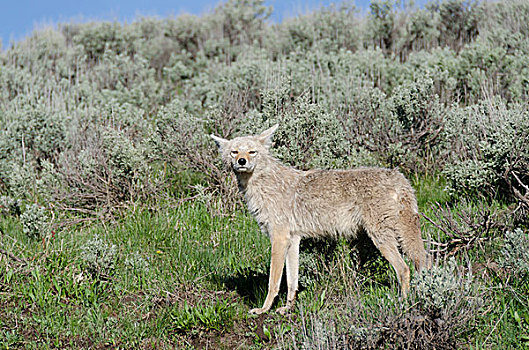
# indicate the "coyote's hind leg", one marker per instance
pixel 382 232
pixel 391 252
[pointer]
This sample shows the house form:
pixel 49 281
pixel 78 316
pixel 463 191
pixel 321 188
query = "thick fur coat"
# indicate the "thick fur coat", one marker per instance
pixel 290 204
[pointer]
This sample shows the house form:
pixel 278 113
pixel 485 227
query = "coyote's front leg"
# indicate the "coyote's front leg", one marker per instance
pixel 280 239
pixel 292 273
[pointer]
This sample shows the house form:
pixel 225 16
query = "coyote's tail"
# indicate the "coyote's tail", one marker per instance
pixel 410 229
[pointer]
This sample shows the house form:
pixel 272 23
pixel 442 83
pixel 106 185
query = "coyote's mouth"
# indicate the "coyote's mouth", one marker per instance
pixel 242 169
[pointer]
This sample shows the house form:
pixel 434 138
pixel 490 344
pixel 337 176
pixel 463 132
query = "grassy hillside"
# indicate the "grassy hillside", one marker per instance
pixel 119 227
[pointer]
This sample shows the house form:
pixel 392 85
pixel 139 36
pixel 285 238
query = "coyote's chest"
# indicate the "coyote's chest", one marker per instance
pixel 271 202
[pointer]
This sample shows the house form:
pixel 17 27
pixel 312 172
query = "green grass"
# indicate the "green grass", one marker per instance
pixel 429 189
pixel 186 277
pixel 190 253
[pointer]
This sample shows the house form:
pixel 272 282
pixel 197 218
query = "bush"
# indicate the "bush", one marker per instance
pixel 308 136
pixel 34 134
pixel 108 170
pixel 182 142
pixel 136 263
pixel 515 252
pixel 419 119
pixel 440 288
pixel 98 257
pixel 35 222
pixel 443 305
pixel 458 21
pixel 403 128
pixel 96 38
pixel 10 205
pixel 491 156
pixel 328 28
pixel 241 21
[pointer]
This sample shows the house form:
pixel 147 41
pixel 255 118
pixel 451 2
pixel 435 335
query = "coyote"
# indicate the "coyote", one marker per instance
pixel 290 204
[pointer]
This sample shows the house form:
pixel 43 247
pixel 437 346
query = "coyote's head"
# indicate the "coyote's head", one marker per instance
pixel 244 154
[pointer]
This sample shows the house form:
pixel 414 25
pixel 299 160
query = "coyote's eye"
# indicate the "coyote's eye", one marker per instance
pixel 252 153
pixel 234 153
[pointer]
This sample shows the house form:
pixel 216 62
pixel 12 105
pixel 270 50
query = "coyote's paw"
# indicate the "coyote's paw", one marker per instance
pixel 283 310
pixel 258 311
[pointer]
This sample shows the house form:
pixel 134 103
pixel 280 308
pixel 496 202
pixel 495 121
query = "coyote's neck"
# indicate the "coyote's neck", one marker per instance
pixel 267 189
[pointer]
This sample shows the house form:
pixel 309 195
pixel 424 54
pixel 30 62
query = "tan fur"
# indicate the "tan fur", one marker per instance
pixel 290 204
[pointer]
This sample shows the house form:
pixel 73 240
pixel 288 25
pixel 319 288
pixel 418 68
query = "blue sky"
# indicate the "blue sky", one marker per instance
pixel 18 18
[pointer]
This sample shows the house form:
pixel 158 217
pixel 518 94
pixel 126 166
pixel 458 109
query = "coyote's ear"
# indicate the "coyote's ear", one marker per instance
pixel 219 141
pixel 266 136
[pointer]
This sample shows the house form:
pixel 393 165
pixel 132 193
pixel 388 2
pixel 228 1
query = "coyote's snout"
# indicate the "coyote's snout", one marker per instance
pixel 290 204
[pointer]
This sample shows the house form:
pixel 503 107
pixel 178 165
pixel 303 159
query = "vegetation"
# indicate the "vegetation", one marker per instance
pixel 120 228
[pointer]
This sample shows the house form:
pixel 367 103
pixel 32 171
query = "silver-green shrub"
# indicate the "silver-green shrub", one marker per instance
pixel 417 119
pixel 515 252
pixel 35 221
pixel 97 37
pixel 458 21
pixel 488 148
pixel 443 306
pixel 373 87
pixel 98 257
pixel 471 176
pixel 126 161
pixel 32 133
pixel 441 288
pixel 400 128
pixel 329 28
pixel 241 21
pixel 35 133
pixel 309 136
pixel 20 178
pixel 10 205
pixel 136 263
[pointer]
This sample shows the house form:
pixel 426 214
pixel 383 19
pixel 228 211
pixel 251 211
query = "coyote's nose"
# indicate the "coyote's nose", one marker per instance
pixel 241 161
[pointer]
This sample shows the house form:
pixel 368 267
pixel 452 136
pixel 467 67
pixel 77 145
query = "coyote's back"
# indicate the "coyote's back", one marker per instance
pixel 290 204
